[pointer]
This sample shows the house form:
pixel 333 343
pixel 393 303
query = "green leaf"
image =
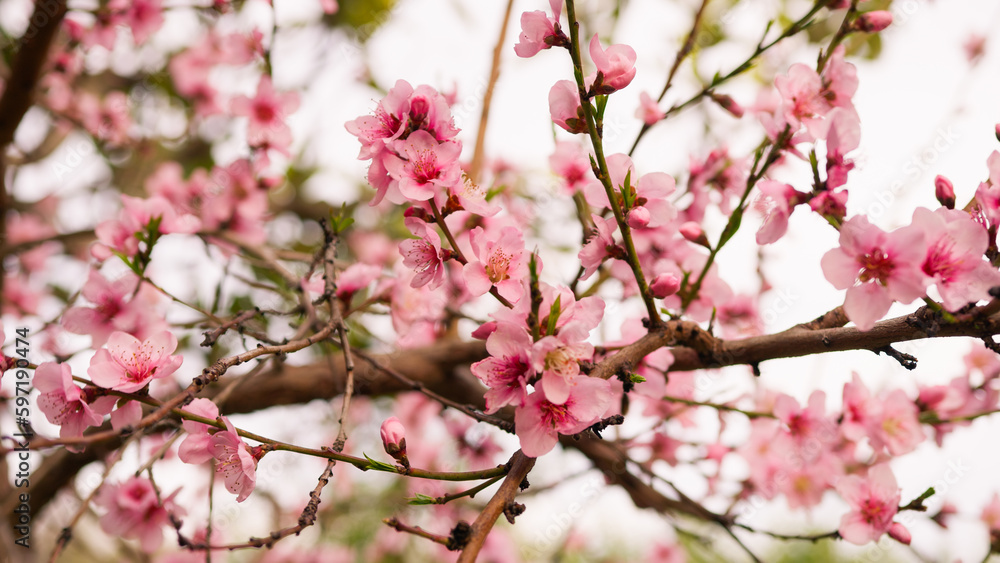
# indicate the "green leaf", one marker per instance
pixel 554 311
pixel 421 499
pixel 381 466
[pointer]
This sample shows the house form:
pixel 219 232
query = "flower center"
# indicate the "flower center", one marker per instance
pixel 876 265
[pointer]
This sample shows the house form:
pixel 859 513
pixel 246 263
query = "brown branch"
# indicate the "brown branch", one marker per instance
pixel 520 465
pixel 484 116
pixel 696 349
pixel 18 93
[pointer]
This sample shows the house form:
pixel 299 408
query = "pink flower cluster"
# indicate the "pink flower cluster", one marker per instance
pixel 562 399
pixel 944 248
pixel 410 142
pixel 235 461
pixel 806 452
pixel 133 511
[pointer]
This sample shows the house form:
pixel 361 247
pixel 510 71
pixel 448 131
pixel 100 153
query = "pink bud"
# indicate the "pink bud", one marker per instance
pixel 664 285
pixel 638 217
pixel 693 233
pixel 728 104
pixel 394 439
pixel 873 22
pixel 944 192
pixel 996 131
pixel 899 533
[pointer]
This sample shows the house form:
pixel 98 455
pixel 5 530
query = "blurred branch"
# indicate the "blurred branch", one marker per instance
pixel 484 116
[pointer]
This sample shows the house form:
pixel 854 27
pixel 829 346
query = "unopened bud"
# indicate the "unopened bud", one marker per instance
pixel 944 192
pixel 394 440
pixel 638 217
pixel 873 22
pixel 664 285
pixel 728 104
pixel 693 233
pixel 899 533
pixel 996 131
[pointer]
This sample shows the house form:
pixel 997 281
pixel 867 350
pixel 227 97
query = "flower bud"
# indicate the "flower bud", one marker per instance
pixel 944 192
pixel 873 22
pixel 899 533
pixel 996 131
pixel 728 104
pixel 693 233
pixel 394 440
pixel 638 218
pixel 664 285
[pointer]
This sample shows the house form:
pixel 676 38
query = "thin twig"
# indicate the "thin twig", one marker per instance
pixel 504 425
pixel 480 148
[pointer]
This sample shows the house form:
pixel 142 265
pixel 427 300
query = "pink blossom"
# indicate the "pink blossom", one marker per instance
pixel 429 167
pixel 471 197
pixel 234 461
pixel 394 439
pixel 806 423
pixel 727 103
pixel 615 66
pixel 144 17
pixel 423 254
pixel 570 161
pixel 356 277
pixel 776 202
pixel 138 213
pixel 128 364
pixel 692 232
pixel 650 191
pixel 874 21
pixel 134 512
pixel 664 285
pixel 944 192
pixel 664 552
pixel 896 426
pixel 540 421
pixel 955 246
pixel 991 514
pixel 558 359
pixel 638 217
pixel 843 137
pixel 874 501
pixel 564 106
pixel 830 204
pixel 840 80
pixel 64 404
pixel 196 447
pixel 329 6
pixel 801 97
pixel 507 370
pixel 876 268
pixel 649 111
pixel 117 307
pixel 539 31
pixel 860 411
pixel 24 227
pixel 806 480
pixel 393 435
pixel 599 246
pixel 501 263
pixel 416 312
pixel 267 112
pixel 108 120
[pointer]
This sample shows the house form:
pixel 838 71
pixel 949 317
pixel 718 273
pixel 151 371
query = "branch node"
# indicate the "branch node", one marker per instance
pixel 906 360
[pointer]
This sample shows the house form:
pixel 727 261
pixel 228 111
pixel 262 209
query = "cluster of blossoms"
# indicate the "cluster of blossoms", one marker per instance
pixel 469 240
